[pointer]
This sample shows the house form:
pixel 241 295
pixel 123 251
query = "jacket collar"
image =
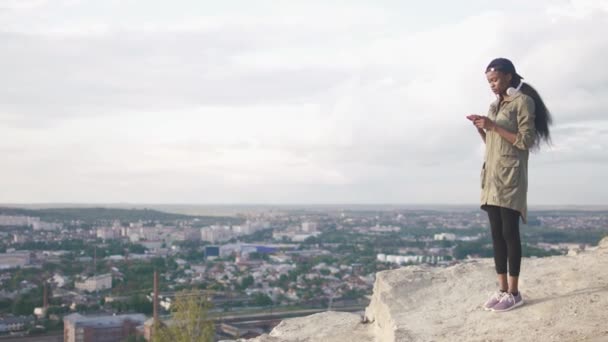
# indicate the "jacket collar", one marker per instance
pixel 511 98
pixel 506 99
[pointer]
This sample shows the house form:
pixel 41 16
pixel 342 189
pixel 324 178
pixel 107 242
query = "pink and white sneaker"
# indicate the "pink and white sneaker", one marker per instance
pixel 508 302
pixel 493 300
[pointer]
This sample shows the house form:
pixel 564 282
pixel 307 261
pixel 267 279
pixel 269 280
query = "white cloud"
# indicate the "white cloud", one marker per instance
pixel 16 5
pixel 579 9
pixel 292 103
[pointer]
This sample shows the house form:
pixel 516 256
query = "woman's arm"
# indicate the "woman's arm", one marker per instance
pixel 523 138
pixel 506 134
pixel 526 129
pixel 482 133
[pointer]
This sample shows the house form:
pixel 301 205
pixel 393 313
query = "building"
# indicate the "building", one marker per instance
pixel 242 230
pixel 107 233
pixel 303 237
pixel 59 280
pixel 7 220
pixel 13 324
pixel 78 328
pixel 186 234
pixel 445 236
pixel 308 227
pixel 14 259
pixel 39 225
pixel 212 251
pixel 95 283
pixel 153 246
pixel 216 233
pixel 19 238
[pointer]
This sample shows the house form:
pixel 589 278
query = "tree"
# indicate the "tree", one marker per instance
pixel 261 299
pixel 189 321
pixel 23 306
pixel 133 338
pixel 139 303
pixel 246 282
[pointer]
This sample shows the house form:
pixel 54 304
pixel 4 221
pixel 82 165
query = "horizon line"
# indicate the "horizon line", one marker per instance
pixel 267 204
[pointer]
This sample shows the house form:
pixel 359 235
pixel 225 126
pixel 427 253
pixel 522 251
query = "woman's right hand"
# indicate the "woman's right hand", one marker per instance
pixel 473 117
pixel 481 131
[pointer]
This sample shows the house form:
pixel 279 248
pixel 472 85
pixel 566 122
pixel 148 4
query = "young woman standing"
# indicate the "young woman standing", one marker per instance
pixel 517 121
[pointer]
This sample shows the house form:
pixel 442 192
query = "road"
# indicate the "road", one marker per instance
pixel 54 337
pixel 280 314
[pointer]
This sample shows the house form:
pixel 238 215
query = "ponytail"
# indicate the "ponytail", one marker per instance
pixel 542 116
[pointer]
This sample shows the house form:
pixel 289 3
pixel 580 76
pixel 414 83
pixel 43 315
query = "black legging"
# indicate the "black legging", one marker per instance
pixel 504 223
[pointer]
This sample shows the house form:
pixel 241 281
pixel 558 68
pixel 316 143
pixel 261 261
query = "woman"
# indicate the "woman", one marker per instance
pixel 517 121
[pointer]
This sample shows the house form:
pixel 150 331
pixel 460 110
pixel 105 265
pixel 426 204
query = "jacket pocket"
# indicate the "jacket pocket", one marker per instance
pixel 508 172
pixel 483 175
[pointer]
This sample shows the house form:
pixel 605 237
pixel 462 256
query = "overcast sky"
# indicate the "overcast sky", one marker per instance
pixel 289 101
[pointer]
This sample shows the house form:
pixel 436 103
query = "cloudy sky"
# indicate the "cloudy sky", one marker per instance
pixel 289 101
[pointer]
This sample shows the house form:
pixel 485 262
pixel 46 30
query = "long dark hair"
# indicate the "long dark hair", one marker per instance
pixel 542 116
pixel 542 119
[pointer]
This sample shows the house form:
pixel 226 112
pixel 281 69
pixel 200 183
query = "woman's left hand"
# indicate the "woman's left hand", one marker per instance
pixel 485 123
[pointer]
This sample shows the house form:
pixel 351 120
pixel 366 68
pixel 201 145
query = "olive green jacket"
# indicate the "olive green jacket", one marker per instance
pixel 504 175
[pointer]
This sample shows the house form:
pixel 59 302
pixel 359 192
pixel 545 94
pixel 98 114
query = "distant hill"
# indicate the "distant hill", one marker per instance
pixel 95 214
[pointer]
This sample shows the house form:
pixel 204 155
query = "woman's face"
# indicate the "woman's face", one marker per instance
pixel 499 81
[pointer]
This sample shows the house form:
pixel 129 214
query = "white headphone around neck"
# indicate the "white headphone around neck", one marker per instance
pixel 512 91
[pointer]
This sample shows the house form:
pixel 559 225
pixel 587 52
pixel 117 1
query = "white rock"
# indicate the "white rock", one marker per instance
pixel 420 303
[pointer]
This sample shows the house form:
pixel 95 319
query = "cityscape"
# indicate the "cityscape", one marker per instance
pixel 303 171
pixel 67 271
